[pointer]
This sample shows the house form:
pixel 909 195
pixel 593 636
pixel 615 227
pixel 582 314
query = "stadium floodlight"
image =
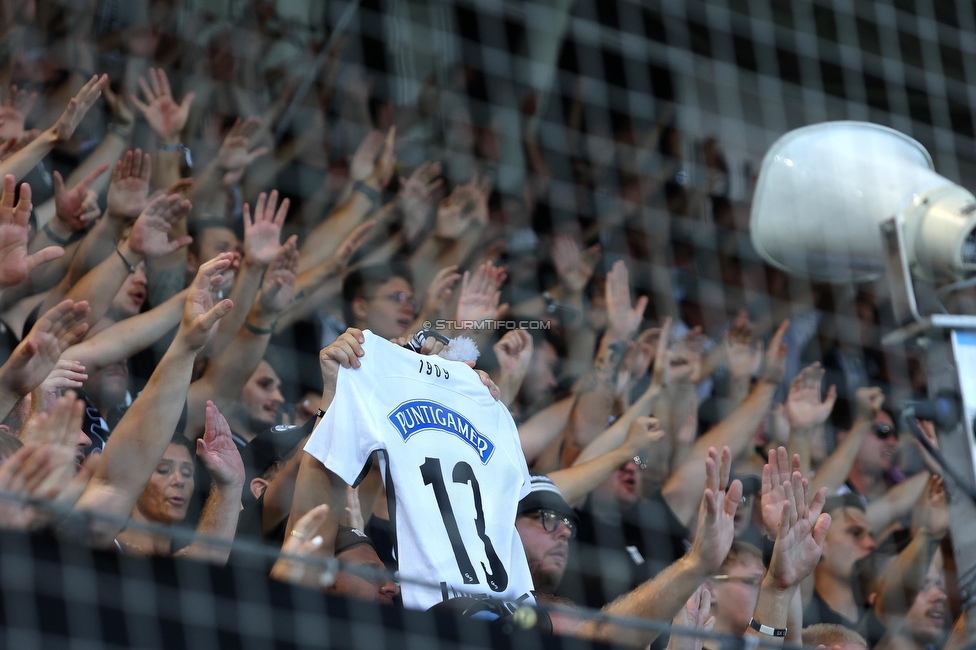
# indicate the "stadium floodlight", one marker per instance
pixel 824 190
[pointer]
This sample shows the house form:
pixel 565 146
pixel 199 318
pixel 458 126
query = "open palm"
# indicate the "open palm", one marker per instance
pixel 218 452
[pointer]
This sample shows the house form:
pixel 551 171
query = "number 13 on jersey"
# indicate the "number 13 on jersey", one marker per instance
pixel 495 575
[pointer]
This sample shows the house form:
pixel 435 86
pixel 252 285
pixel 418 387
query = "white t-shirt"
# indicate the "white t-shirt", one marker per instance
pixel 453 456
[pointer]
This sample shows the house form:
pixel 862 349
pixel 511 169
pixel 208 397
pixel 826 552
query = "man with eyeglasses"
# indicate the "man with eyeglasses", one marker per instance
pixel 735 590
pixel 546 523
pixel 379 298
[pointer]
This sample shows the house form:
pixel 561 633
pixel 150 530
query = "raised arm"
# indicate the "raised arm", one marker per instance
pixel 806 412
pixel 219 454
pixel 514 352
pixel 325 239
pixel 127 337
pixel 594 401
pixel 142 435
pixel 614 435
pixel 579 480
pixel 662 597
pixel 36 356
pixel 835 470
pixel 736 432
pixel 262 241
pixel 27 158
pixel 228 372
pixel 149 238
pixel 15 261
pixel 317 485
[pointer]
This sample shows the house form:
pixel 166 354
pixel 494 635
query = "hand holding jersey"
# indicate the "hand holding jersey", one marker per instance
pixel 450 454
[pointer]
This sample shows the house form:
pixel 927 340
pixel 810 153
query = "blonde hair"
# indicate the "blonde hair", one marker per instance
pixel 830 634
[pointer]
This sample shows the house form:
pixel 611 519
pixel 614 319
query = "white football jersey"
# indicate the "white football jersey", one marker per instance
pixel 454 471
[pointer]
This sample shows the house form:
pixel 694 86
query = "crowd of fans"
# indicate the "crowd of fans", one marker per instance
pixel 180 287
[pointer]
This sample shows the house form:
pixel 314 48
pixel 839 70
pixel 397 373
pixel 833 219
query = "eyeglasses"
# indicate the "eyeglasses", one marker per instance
pixel 884 431
pixel 550 521
pixel 399 298
pixel 753 580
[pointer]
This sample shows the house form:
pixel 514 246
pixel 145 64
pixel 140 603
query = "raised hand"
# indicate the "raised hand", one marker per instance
pixel 743 358
pixel 931 515
pixel 928 430
pixel 637 360
pixel 574 266
pixel 122 113
pixel 386 162
pixel 218 452
pixel 66 374
pixel 661 372
pixel 514 352
pixel 26 474
pixel 70 204
pixel 200 314
pixel 150 233
pixel 775 473
pixel 164 115
pixel 716 517
pixel 363 161
pixel 65 127
pixel 304 541
pixel 14 111
pixel 642 435
pixel 262 234
pixel 804 408
pixel 467 205
pixel 480 294
pixel 624 321
pixel 800 538
pixel 60 428
pixel 868 402
pixel 695 614
pixel 278 285
pixel 15 263
pixel 418 195
pixel 775 369
pixel 344 352
pixel 440 290
pixel 36 356
pixel 128 193
pixel 234 155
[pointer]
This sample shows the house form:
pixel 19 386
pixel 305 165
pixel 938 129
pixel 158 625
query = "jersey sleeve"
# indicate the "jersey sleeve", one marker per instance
pixel 347 435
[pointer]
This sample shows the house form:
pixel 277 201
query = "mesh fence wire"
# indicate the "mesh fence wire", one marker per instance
pixel 651 119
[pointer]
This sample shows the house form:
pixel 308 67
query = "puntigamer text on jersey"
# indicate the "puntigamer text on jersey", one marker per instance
pixel 420 415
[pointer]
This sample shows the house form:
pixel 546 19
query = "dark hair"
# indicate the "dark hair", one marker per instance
pixel 182 441
pixel 8 445
pixel 196 228
pixel 362 283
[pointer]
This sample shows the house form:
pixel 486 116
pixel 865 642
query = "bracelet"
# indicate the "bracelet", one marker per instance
pixel 367 191
pixel 50 233
pixel 119 131
pixel 320 414
pixel 640 462
pixel 128 265
pixel 768 631
pixel 260 331
pixel 179 146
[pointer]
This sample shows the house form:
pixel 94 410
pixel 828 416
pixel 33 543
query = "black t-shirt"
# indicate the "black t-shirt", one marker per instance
pixel 607 561
pixel 818 611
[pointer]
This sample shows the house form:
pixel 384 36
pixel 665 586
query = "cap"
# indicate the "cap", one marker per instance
pixel 272 445
pixel 546 496
pixel 347 537
pixel 751 484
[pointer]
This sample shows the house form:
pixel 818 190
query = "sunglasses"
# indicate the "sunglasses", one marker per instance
pixel 884 431
pixel 550 521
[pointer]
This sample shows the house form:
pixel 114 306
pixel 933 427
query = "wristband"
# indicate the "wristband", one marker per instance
pixel 128 265
pixel 367 191
pixel 320 414
pixel 179 146
pixel 768 631
pixel 260 331
pixel 60 241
